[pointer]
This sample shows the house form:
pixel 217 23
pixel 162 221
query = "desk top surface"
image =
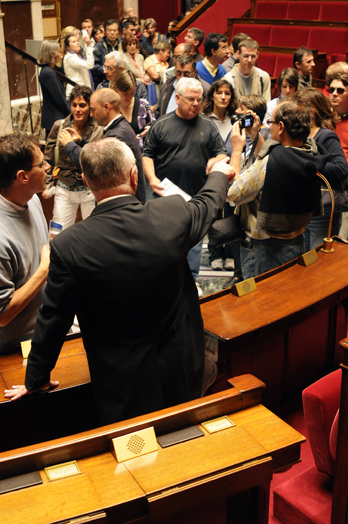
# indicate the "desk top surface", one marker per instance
pixel 278 296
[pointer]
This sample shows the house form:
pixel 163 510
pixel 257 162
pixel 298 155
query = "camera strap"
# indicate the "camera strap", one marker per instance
pixel 251 156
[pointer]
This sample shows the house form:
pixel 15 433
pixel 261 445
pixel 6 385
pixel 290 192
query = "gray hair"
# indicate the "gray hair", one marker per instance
pixel 47 48
pixel 188 83
pixel 106 164
pixel 117 59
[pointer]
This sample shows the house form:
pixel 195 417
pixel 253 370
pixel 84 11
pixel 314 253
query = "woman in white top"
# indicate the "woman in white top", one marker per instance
pixel 75 66
pixel 287 85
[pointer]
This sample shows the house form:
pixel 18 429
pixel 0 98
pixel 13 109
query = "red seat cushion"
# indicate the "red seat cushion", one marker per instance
pixel 304 499
pixel 307 11
pixel 260 33
pixel 331 40
pixel 289 36
pixel 266 61
pixel 282 62
pixel 334 11
pixel 270 9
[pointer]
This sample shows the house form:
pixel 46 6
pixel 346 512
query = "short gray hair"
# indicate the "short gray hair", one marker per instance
pixel 106 163
pixel 47 48
pixel 188 83
pixel 117 59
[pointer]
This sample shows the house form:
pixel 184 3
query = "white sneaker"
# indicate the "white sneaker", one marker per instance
pixel 199 290
pixel 217 264
pixel 229 264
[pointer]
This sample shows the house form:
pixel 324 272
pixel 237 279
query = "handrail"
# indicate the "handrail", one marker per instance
pixel 25 56
pixel 193 15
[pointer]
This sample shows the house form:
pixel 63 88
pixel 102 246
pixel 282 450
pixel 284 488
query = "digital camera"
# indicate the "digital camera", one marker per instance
pixel 245 119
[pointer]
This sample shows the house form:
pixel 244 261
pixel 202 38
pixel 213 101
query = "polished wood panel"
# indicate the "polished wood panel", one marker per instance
pixel 188 482
pixel 287 332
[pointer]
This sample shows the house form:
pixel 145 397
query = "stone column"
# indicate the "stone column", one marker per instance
pixel 36 20
pixel 5 103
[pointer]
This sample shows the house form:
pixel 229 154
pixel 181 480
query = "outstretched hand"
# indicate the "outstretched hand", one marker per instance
pixel 224 167
pixel 20 391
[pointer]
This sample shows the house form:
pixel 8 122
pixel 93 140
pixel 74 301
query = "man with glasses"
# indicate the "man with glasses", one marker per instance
pixel 24 251
pixel 185 67
pixel 110 42
pixel 279 193
pixel 338 94
pixel 114 62
pixel 245 77
pixel 183 147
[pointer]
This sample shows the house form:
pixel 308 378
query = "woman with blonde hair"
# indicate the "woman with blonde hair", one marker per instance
pixel 154 37
pixel 54 104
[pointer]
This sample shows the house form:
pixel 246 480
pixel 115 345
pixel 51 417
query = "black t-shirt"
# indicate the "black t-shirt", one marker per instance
pixel 181 149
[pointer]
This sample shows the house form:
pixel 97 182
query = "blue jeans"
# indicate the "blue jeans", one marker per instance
pixel 194 258
pixel 317 229
pixel 263 255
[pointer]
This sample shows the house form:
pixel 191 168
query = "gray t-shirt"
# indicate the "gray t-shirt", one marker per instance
pixel 23 234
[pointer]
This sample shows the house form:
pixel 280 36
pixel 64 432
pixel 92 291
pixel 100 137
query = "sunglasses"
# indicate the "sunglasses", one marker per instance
pixel 340 90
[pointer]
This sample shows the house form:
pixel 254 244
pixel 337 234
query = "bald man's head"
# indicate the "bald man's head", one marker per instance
pixel 105 106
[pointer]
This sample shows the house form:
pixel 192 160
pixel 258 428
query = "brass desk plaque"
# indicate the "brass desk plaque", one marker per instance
pixel 26 347
pixel 309 258
pixel 218 424
pixel 68 469
pixel 244 288
pixel 135 444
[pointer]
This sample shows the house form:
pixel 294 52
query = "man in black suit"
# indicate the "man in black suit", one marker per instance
pixel 123 272
pixel 105 109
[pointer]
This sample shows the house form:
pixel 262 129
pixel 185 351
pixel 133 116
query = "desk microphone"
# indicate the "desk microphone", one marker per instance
pixel 311 169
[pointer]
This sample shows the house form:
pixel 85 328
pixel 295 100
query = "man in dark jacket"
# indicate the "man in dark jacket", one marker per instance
pixel 123 272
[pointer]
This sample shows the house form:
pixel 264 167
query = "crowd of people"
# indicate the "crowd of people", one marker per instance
pixel 136 110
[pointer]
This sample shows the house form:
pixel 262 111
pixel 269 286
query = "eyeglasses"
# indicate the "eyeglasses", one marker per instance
pixel 192 99
pixel 43 163
pixel 253 57
pixel 271 122
pixel 109 69
pixel 340 90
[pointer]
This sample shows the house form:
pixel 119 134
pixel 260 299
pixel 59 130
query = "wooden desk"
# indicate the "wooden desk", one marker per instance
pixel 194 481
pixel 287 332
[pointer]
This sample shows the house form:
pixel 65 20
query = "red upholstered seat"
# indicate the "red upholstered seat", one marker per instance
pixel 289 36
pixel 260 33
pixel 330 40
pixel 320 405
pixel 303 11
pixel 307 497
pixel 282 62
pixel 266 61
pixel 334 11
pixel 270 9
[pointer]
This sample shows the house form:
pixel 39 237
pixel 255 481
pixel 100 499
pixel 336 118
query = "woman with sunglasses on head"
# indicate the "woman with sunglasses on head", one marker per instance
pixel 137 111
pixel 54 104
pixel 324 120
pixel 71 192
